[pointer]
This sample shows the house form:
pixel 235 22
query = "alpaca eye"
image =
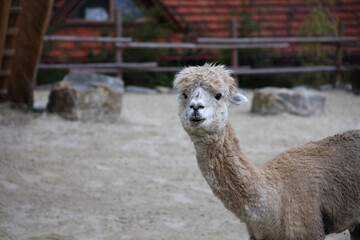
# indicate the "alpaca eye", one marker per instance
pixel 185 96
pixel 218 96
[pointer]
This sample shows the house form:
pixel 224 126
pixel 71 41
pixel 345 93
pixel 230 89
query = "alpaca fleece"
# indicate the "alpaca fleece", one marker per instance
pixel 302 193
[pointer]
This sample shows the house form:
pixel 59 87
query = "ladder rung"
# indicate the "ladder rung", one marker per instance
pixel 15 9
pixel 3 91
pixel 9 52
pixel 5 72
pixel 12 31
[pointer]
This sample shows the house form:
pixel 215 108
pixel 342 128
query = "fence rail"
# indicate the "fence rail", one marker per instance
pixel 204 43
pixel 328 40
pixel 200 46
pixel 95 66
pixel 86 39
pixel 282 70
pixel 234 44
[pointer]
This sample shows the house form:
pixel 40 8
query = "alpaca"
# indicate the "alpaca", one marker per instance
pixel 303 193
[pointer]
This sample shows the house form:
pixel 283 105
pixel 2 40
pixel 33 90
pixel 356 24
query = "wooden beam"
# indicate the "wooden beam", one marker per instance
pixel 339 55
pixel 12 31
pixel 331 40
pixel 352 67
pixel 351 44
pixel 119 58
pixel 238 71
pixel 234 52
pixel 32 24
pixel 151 67
pixel 15 9
pixel 97 65
pixel 200 46
pixel 143 69
pixel 4 19
pixel 9 52
pixel 86 39
pixel 5 73
pixel 146 69
pixel 282 70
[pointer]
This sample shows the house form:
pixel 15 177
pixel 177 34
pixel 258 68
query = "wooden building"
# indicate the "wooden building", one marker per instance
pixel 189 20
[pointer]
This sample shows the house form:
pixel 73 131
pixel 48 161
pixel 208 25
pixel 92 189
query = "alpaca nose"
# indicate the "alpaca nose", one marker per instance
pixel 197 101
pixel 196 105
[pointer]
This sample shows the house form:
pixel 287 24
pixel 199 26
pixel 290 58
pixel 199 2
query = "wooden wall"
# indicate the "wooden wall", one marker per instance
pixel 33 25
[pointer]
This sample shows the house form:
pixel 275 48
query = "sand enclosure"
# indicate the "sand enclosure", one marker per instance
pixel 136 178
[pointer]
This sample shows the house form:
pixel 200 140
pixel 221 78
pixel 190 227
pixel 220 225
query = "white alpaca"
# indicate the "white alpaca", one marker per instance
pixel 303 193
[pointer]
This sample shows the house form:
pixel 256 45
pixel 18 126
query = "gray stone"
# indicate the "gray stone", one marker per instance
pixel 87 97
pixel 163 90
pixel 278 100
pixel 346 86
pixel 86 80
pixel 135 89
pixel 326 87
pixel 300 87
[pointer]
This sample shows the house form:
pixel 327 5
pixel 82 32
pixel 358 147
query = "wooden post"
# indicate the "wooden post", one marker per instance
pixel 118 17
pixel 339 55
pixel 234 52
pixel 32 25
pixel 4 18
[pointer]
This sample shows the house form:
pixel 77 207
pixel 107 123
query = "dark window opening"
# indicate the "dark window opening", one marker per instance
pixel 129 9
pixel 93 10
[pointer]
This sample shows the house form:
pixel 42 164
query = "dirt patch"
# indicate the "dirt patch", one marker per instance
pixel 136 178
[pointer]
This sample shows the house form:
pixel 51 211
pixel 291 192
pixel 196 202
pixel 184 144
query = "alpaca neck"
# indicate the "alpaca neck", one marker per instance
pixel 230 175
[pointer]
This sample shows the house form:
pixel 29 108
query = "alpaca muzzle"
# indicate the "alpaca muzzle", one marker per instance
pixel 196 117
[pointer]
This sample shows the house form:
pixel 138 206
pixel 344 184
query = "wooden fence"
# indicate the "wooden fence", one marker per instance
pixel 233 44
pixel 203 43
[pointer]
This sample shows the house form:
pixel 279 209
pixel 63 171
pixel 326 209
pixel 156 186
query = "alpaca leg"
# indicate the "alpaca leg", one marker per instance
pixel 355 233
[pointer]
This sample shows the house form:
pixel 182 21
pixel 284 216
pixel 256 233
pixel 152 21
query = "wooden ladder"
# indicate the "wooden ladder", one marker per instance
pixel 9 21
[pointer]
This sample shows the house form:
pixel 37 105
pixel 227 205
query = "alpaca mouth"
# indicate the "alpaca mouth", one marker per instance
pixel 197 120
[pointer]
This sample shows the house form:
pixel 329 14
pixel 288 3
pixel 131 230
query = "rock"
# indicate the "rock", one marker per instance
pixel 326 87
pixel 87 96
pixel 163 90
pixel 346 87
pixel 300 87
pixel 135 89
pixel 277 100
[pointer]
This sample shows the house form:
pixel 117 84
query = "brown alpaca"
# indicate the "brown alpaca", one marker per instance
pixel 303 193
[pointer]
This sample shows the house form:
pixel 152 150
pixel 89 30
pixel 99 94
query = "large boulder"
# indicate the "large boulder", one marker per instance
pixel 301 102
pixel 87 96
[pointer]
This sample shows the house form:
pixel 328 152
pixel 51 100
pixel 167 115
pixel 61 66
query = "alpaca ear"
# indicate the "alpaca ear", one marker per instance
pixel 237 99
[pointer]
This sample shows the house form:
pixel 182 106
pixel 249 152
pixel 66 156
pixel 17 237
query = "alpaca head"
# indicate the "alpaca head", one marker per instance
pixel 204 95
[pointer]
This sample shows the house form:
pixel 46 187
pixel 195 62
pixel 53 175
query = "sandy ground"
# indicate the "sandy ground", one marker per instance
pixel 136 178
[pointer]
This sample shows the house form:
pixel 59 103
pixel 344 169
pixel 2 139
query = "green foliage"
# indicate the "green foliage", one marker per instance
pixel 148 79
pixel 321 23
pixel 150 30
pixel 247 26
pixel 105 54
pixel 48 45
pixel 46 76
